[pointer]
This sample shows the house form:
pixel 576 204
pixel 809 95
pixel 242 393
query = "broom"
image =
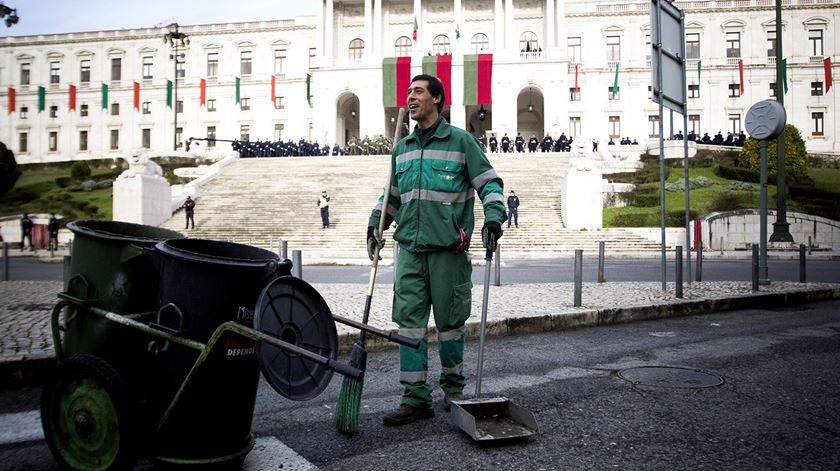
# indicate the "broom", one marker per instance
pixel 350 396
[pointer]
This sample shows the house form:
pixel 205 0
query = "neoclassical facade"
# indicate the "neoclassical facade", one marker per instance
pixel 319 77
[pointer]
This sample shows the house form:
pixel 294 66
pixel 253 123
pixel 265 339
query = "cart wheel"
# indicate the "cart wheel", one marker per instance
pixel 86 417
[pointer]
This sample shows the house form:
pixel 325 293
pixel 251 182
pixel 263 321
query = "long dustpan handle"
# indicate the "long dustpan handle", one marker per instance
pixel 490 244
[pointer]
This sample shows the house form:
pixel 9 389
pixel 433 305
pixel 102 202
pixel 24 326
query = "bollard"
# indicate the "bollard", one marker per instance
pixel 297 264
pixel 498 278
pixel 284 249
pixel 66 272
pixel 601 278
pixel 810 245
pixel 721 245
pixel 699 271
pixel 678 274
pixel 5 261
pixel 755 267
pixel 802 263
pixel 578 276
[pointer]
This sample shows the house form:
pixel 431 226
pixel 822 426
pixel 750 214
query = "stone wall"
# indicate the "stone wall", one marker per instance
pixel 740 228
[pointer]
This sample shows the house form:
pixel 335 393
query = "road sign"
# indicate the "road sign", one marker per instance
pixel 667 34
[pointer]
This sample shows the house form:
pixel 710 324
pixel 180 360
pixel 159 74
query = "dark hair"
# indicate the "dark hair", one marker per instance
pixel 435 88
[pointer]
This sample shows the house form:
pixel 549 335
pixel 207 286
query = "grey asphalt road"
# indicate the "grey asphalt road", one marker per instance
pixel 776 406
pixel 530 271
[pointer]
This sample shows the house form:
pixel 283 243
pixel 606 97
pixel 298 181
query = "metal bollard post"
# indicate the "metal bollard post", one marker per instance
pixel 810 245
pixel 755 267
pixel 802 263
pixel 721 245
pixel 578 276
pixel 699 271
pixel 601 278
pixel 66 272
pixel 284 249
pixel 297 264
pixel 498 279
pixel 678 274
pixel 5 261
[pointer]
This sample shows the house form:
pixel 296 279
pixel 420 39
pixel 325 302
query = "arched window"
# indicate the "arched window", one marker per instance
pixel 402 47
pixel 357 47
pixel 480 44
pixel 440 45
pixel 528 42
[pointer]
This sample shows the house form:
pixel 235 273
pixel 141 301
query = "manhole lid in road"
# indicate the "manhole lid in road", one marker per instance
pixel 670 377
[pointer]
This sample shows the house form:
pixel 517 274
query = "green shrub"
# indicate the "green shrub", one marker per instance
pixel 9 171
pixel 726 201
pixel 741 186
pixel 809 193
pixel 88 185
pixel 104 184
pixel 62 182
pixel 21 195
pixel 795 154
pixel 80 170
pixel 631 220
pixel 645 200
pixel 693 183
pixel 677 218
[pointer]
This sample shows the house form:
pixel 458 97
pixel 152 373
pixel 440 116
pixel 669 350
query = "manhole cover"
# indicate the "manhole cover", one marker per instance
pixel 670 377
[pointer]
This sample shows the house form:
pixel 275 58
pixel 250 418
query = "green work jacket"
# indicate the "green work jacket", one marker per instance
pixel 433 189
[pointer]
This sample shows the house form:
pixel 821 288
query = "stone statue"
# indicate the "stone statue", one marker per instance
pixel 140 164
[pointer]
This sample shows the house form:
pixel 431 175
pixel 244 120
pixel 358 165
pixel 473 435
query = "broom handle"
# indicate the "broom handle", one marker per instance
pixel 382 215
pixel 488 257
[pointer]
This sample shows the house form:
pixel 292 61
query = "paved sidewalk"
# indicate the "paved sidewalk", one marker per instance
pixel 26 347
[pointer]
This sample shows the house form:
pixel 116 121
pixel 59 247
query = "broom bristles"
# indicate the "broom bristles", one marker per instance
pixel 347 408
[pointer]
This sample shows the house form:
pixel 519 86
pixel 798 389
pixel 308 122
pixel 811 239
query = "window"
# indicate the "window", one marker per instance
pixel 816 89
pixel 115 139
pixel 53 141
pixel 115 109
pixel 733 44
pixel 528 42
pixel 147 68
pixel 245 104
pixel 279 59
pixel 694 91
pixel 735 123
pixel 650 92
pixel 244 132
pixel 614 128
pixel 440 45
pixel 771 43
pixel 245 62
pixel 146 107
pixel 402 47
pixel 211 104
pixel 211 136
pixel 734 90
pixel 146 138
pixel 613 48
pixel 574 94
pixel 180 70
pixel 573 48
pixel 83 141
pixel 179 106
pixel 694 123
pixel 647 48
pixel 83 110
pixel 24 75
pixel 479 43
pixel 55 72
pixel 179 133
pixel 653 125
pixel 817 128
pixel 311 55
pixel 23 142
pixel 815 37
pixel 116 68
pixel 613 96
pixel 357 47
pixel 53 111
pixel 24 112
pixel 278 132
pixel 574 126
pixel 84 71
pixel 772 89
pixel 278 103
pixel 692 45
pixel 212 65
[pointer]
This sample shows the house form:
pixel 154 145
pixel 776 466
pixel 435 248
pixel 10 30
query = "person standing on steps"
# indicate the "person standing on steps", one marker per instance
pixel 513 209
pixel 438 173
pixel 324 204
pixel 189 208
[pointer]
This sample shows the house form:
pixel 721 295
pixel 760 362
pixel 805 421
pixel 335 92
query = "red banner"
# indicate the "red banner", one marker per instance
pixel 202 97
pixel 484 89
pixel 72 101
pixel 828 80
pixel 403 79
pixel 12 106
pixel 577 88
pixel 136 96
pixel 741 75
pixel 273 85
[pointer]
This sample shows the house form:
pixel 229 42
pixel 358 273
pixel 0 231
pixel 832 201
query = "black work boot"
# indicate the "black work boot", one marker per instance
pixel 449 397
pixel 405 414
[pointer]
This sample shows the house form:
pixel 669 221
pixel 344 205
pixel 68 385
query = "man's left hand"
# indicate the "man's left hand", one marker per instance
pixel 490 234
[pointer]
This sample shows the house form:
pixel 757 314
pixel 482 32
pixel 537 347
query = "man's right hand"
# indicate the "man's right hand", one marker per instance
pixel 373 241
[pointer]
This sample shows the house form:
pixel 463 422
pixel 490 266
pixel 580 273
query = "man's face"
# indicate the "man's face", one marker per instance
pixel 422 106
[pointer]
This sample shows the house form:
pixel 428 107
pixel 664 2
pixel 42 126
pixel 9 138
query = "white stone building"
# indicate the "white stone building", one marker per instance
pixel 342 48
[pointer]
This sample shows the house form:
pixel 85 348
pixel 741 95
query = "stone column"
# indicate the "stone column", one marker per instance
pixel 368 31
pixel 418 46
pixel 319 28
pixel 549 25
pixel 510 33
pixel 377 30
pixel 459 24
pixel 329 27
pixel 560 26
pixel 498 22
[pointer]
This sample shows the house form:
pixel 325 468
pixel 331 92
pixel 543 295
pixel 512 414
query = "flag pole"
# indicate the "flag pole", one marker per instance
pixel 781 228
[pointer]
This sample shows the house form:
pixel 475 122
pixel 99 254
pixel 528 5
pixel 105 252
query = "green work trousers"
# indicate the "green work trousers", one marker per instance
pixel 441 280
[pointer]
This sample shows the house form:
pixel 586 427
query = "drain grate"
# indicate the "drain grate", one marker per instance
pixel 670 377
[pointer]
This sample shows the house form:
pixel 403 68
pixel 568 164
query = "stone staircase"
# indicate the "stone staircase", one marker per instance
pixel 263 201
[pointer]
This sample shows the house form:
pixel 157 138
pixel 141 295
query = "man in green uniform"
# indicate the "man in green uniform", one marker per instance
pixel 437 172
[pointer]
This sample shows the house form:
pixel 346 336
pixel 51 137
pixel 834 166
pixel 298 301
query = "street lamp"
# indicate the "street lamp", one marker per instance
pixel 175 39
pixel 10 14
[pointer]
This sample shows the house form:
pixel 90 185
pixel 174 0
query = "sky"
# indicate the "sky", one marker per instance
pixel 69 16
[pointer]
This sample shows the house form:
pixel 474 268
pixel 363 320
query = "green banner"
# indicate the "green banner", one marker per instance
pixel 42 98
pixel 470 79
pixel 615 82
pixel 104 96
pixel 309 89
pixel 784 74
pixel 237 90
pixel 169 93
pixel 389 82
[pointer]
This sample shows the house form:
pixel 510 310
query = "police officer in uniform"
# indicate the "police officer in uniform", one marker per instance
pixel 505 144
pixel 519 142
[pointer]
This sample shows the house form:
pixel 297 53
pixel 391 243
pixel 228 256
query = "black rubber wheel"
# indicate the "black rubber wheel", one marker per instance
pixel 87 418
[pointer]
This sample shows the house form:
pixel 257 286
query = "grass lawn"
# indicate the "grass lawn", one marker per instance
pixel 826 178
pixel 37 192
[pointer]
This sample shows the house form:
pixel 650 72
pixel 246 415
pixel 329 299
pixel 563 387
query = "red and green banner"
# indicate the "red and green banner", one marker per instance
pixel 396 78
pixel 615 82
pixel 237 90
pixel 169 93
pixel 828 78
pixel 440 67
pixel 42 99
pixel 72 98
pixel 202 96
pixel 12 107
pixel 414 32
pixel 104 96
pixel 478 79
pixel 136 96
pixel 741 76
pixel 273 88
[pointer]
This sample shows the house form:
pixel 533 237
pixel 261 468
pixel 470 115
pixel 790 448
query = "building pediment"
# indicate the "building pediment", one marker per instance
pixel 148 50
pixel 733 25
pixel 84 53
pixel 211 46
pixel 115 51
pixel 694 25
pixel 280 43
pixel 245 43
pixel 815 22
pixel 55 55
pixel 614 29
pixel 23 57
pixel 771 25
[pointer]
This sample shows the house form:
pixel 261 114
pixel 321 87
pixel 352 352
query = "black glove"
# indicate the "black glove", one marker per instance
pixel 373 240
pixel 490 234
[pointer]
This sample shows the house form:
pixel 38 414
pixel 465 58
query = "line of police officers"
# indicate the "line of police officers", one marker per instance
pixel 549 144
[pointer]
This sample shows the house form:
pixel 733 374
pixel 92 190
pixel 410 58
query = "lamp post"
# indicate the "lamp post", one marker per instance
pixel 10 14
pixel 781 228
pixel 175 39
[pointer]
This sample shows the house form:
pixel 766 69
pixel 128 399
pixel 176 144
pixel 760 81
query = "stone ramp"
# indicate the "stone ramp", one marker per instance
pixel 263 201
